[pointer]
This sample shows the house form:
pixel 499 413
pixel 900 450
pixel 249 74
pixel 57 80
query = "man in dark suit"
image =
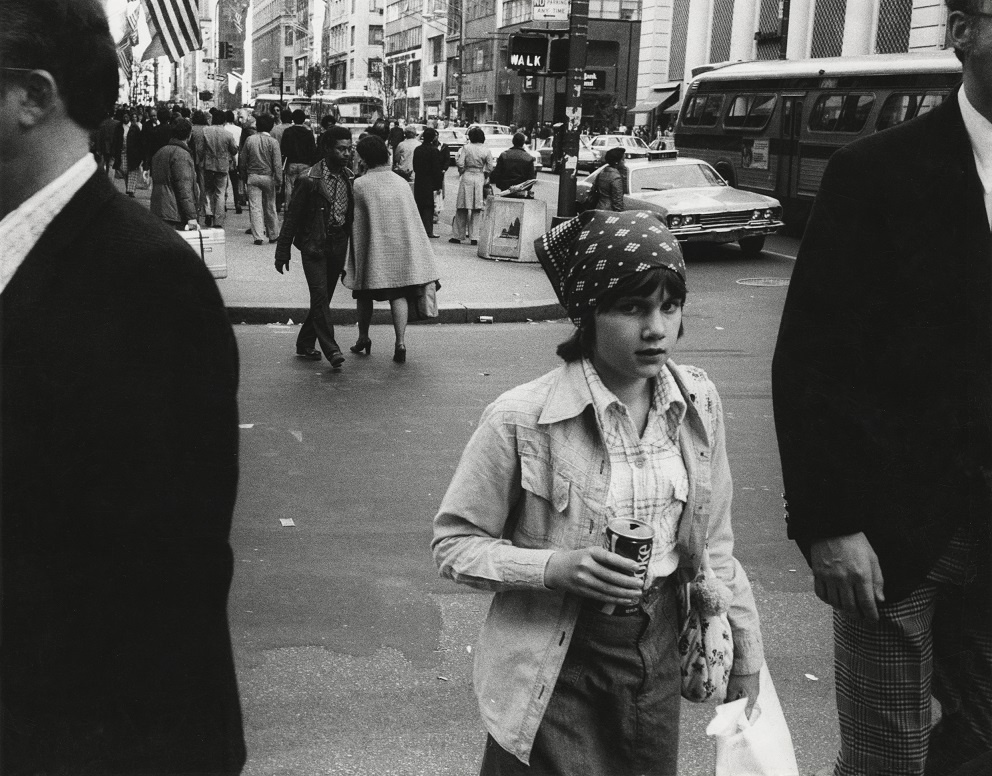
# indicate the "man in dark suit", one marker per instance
pixel 882 385
pixel 119 443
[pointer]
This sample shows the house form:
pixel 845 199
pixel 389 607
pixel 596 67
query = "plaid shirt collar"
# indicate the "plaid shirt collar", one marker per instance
pixel 666 399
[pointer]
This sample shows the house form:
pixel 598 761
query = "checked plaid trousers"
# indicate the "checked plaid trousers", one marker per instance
pixel 937 642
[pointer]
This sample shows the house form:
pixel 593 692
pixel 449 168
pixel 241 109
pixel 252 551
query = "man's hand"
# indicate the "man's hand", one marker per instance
pixel 743 685
pixel 280 263
pixel 594 572
pixel 848 576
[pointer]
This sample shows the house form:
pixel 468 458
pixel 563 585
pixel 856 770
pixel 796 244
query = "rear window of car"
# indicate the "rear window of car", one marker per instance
pixel 841 112
pixel 675 176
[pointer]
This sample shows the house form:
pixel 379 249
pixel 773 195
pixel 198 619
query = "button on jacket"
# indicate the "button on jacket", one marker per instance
pixel 533 479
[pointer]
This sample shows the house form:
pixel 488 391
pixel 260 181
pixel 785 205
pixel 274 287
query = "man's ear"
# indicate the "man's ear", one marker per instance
pixel 960 30
pixel 41 98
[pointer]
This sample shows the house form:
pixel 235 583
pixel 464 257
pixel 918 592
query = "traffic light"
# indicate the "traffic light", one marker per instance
pixel 558 55
pixel 223 50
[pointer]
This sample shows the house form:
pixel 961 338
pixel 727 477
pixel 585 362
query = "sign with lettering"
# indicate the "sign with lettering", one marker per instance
pixel 551 10
pixel 594 79
pixel 528 52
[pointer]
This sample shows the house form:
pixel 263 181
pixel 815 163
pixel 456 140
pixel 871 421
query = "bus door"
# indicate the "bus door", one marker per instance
pixel 788 164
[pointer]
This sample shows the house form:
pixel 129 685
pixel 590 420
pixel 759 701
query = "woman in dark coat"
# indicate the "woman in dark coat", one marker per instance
pixel 428 177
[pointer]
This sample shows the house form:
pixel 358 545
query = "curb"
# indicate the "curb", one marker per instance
pixel 452 312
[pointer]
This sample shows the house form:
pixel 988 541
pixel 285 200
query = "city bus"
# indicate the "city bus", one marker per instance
pixel 355 109
pixel 770 126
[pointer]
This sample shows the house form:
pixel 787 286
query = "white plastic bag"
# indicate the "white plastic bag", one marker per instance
pixel 759 746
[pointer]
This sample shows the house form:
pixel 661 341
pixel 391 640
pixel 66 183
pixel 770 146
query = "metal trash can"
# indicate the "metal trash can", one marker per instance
pixel 509 228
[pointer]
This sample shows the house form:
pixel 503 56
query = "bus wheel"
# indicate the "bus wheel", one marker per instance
pixel 751 246
pixel 727 173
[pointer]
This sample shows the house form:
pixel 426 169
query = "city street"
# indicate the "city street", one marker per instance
pixel 353 656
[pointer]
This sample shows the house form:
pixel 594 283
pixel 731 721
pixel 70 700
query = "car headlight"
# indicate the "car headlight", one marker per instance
pixel 687 220
pixel 756 215
pixel 674 221
pixel 768 214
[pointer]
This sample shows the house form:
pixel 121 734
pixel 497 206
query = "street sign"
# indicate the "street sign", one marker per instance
pixel 528 53
pixel 594 79
pixel 551 10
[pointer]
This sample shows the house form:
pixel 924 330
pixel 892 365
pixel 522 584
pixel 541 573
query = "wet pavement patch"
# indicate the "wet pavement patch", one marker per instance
pixel 763 282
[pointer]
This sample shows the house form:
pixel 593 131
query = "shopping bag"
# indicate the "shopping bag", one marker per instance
pixel 427 301
pixel 759 746
pixel 438 205
pixel 146 180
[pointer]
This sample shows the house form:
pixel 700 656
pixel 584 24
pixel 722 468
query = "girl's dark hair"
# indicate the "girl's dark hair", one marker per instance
pixel 373 151
pixel 583 339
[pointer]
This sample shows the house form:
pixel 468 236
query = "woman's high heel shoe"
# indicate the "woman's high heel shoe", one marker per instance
pixel 399 354
pixel 362 344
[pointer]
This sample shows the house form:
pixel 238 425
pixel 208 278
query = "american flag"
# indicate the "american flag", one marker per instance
pixel 125 58
pixel 176 25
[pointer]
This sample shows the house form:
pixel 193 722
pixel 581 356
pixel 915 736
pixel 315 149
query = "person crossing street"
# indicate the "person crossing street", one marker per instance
pixel 260 165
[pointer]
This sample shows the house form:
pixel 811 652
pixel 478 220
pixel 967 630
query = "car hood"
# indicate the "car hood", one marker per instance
pixel 706 199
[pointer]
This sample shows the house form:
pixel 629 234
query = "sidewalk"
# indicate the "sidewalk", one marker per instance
pixel 471 287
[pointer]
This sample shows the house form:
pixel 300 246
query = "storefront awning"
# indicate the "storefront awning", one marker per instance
pixel 661 98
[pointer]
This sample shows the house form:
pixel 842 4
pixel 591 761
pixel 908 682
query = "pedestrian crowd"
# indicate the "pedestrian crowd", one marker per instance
pixel 118 458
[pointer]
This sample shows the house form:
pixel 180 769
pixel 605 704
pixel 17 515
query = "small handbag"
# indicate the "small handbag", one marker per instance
pixel 706 642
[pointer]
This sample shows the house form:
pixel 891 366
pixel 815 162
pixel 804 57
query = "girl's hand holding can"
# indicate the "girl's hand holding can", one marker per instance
pixel 596 573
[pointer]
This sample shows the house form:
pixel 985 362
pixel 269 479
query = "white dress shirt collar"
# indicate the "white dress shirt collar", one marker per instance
pixel 979 131
pixel 21 228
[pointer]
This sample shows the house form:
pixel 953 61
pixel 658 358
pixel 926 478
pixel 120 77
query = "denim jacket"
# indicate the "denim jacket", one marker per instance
pixel 534 479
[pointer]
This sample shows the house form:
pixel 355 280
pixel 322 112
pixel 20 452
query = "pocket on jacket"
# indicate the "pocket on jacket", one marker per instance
pixel 543 521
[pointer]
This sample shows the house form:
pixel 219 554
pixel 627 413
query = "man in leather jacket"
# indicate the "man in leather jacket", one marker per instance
pixel 318 222
pixel 514 165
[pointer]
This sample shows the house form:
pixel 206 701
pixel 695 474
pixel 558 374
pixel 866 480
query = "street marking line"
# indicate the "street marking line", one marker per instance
pixel 779 255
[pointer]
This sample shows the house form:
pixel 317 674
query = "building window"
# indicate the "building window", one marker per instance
pixel 375 34
pixel 895 18
pixel 415 73
pixel 352 36
pixel 516 11
pixel 404 41
pixel 477 9
pixel 375 6
pixel 375 68
pixel 289 68
pixel 436 50
pixel 351 68
pixel 336 39
pixel 289 36
pixel 454 16
pixel 479 57
pixel 615 9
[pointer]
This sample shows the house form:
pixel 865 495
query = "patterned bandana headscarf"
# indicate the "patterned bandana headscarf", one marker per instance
pixel 589 254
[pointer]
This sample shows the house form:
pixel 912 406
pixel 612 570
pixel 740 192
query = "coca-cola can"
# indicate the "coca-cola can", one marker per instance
pixel 633 539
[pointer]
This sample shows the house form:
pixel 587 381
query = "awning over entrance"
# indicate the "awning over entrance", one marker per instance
pixel 662 98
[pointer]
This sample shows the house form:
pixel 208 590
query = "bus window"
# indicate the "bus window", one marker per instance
pixel 896 109
pixel 930 101
pixel 711 113
pixel 840 112
pixel 750 111
pixel 761 111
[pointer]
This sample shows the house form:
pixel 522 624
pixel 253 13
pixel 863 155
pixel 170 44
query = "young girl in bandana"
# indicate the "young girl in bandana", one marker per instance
pixel 618 431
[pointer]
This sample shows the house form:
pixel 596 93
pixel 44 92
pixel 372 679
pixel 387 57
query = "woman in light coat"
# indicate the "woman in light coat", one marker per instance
pixel 391 258
pixel 475 163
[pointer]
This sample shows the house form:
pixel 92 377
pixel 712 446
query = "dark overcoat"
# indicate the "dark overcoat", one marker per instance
pixel 119 463
pixel 882 376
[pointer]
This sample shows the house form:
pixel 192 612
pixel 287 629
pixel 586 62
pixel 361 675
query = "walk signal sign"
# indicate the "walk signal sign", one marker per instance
pixel 528 53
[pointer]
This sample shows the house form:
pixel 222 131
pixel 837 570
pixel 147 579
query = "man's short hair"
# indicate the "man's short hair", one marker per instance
pixel 70 39
pixel 199 118
pixel 182 128
pixel 332 135
pixel 164 116
pixel 264 123
pixel 299 116
pixel 229 116
pixel 519 138
pixel 373 150
pixel 614 155
pixel 217 118
pixel 409 131
pixel 476 135
pixel 286 116
pixel 328 120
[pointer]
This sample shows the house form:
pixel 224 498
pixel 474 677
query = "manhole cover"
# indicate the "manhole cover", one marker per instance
pixel 764 282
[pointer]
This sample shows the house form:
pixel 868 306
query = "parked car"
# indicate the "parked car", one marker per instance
pixel 499 143
pixel 454 138
pixel 587 160
pixel 634 146
pixel 493 129
pixel 698 205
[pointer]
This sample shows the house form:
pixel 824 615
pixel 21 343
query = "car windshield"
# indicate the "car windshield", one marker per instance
pixel 675 176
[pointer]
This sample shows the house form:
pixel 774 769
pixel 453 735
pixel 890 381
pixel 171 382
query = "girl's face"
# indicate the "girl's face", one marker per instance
pixel 635 338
